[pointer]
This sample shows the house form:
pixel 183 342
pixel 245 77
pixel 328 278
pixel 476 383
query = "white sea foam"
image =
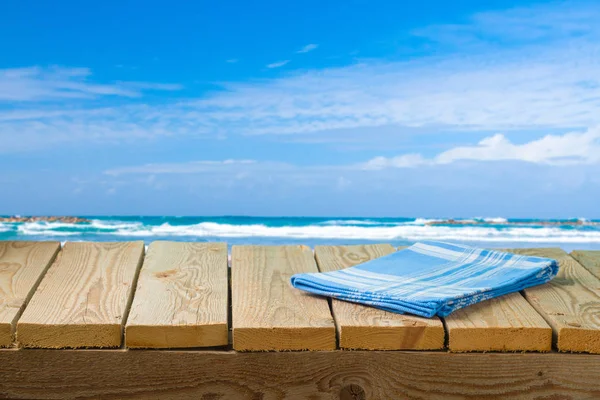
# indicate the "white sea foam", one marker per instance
pixel 47 228
pixel 497 220
pixel 354 222
pixel 112 225
pixel 42 225
pixel 406 232
pixel 410 231
pixel 4 228
pixel 48 232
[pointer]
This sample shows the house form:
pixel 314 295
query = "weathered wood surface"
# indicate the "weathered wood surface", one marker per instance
pixel 22 266
pixel 590 259
pixel 84 297
pixel 151 374
pixel 181 297
pixel 362 327
pixel 267 312
pixel 506 323
pixel 570 303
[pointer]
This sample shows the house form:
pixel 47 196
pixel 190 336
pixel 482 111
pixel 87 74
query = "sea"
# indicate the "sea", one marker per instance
pixel 497 232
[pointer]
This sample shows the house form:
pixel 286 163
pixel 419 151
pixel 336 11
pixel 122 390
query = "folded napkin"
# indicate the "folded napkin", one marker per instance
pixel 431 278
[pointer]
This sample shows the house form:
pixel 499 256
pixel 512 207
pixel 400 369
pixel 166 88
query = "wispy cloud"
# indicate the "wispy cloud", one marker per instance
pixel 191 167
pixel 232 173
pixel 307 48
pixel 574 148
pixel 278 64
pixel 549 21
pixel 44 84
pixel 568 149
pixel 232 61
pixel 531 68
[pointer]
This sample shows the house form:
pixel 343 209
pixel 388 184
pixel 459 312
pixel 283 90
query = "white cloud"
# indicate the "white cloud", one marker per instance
pixel 568 149
pixel 191 167
pixel 530 68
pixel 572 148
pixel 232 61
pixel 403 161
pixel 232 173
pixel 58 83
pixel 550 81
pixel 307 48
pixel 278 64
pixel 549 21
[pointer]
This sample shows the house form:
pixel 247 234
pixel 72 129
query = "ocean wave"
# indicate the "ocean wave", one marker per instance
pixel 406 232
pixel 114 224
pixel 49 233
pixel 43 228
pixel 45 225
pixel 340 229
pixel 497 220
pixel 356 222
pixel 338 222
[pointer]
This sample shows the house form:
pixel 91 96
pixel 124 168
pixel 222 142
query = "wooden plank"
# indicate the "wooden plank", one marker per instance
pixel 22 266
pixel 267 312
pixel 507 323
pixel 570 303
pixel 181 297
pixel 84 297
pixel 173 374
pixel 362 327
pixel 590 259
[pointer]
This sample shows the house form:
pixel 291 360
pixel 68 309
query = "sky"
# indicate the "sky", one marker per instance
pixel 300 108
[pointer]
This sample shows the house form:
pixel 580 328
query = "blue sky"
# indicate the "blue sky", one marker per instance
pixel 367 108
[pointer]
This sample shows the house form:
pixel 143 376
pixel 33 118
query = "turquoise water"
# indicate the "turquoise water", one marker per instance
pixel 489 232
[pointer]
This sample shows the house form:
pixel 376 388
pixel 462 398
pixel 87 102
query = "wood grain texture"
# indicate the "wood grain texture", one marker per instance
pixel 162 374
pixel 590 259
pixel 570 303
pixel 181 297
pixel 362 327
pixel 22 266
pixel 507 323
pixel 84 297
pixel 267 312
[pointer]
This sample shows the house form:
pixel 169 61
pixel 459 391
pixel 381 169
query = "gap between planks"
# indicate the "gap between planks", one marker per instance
pixel 570 302
pixel 22 267
pixel 590 259
pixel 362 327
pixel 575 322
pixel 83 299
pixel 505 323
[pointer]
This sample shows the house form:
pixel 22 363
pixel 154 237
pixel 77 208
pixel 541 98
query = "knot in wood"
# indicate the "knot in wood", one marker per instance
pixel 354 257
pixel 353 392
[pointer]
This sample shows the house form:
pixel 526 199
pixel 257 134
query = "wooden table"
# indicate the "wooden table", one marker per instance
pixel 111 320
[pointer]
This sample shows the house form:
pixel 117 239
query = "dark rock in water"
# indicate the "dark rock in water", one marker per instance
pixel 68 220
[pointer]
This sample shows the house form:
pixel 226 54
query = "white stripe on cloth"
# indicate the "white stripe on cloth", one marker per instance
pixel 431 278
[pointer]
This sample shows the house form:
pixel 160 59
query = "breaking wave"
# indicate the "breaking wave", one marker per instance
pixel 492 230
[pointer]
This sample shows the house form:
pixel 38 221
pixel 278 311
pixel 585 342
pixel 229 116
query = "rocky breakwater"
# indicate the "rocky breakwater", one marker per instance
pixel 67 220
